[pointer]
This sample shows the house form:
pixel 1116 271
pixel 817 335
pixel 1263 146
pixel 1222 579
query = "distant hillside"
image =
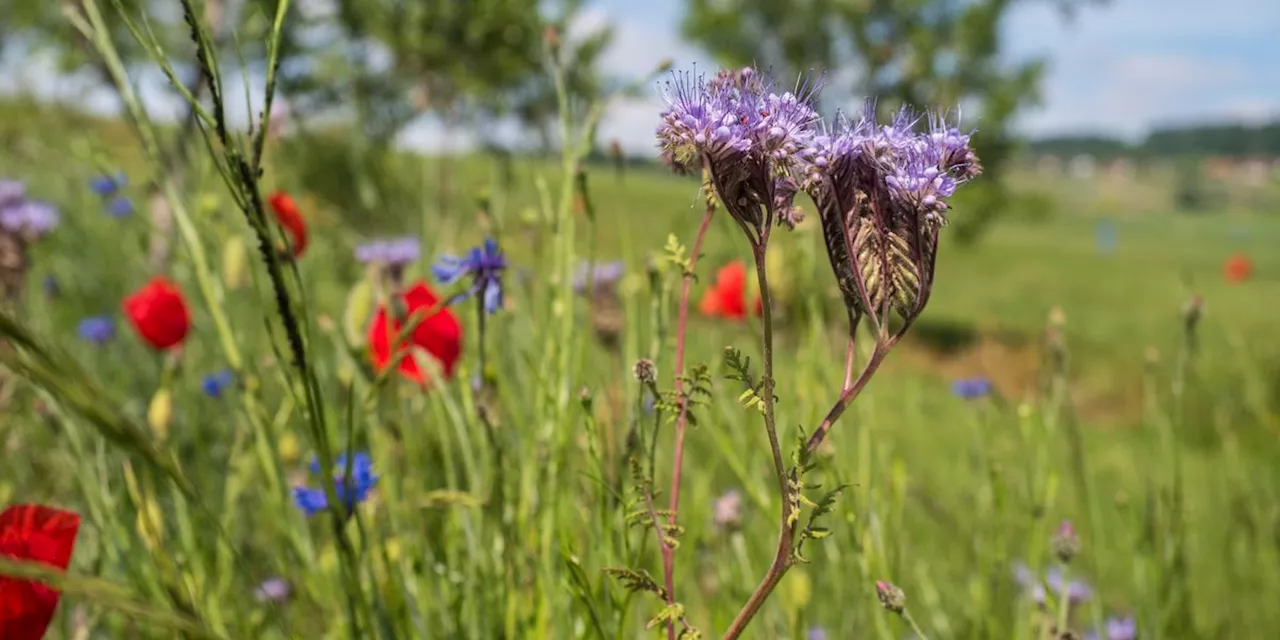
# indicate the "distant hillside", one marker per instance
pixel 1212 139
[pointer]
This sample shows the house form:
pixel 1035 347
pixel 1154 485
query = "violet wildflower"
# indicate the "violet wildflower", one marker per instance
pixel 590 277
pixel 1076 591
pixel 881 192
pixel 11 192
pixel 727 511
pixel 751 140
pixel 119 207
pixel 816 633
pixel 484 264
pixel 394 252
pixel 1124 628
pixel 31 218
pixel 272 590
pixel 350 491
pixel 217 383
pixel 971 388
pixel 97 329
pixel 108 185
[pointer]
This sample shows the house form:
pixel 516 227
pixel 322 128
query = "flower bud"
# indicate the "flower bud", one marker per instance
pixel 1065 543
pixel 645 371
pixel 891 597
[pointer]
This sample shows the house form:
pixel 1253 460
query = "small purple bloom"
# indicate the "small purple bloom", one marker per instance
pixel 29 216
pixel 107 185
pixel 395 252
pixel 272 590
pixel 727 511
pixel 597 276
pixel 1076 591
pixel 97 329
pixel 119 207
pixel 351 491
pixel 215 384
pixel 971 388
pixel 816 633
pixel 484 264
pixel 1125 628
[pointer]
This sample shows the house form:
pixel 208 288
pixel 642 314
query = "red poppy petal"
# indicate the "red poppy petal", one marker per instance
pixel 40 534
pixel 287 215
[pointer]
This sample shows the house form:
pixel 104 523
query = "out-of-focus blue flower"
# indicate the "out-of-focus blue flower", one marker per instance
pixel 108 185
pixel 971 388
pixel 11 192
pixel 97 329
pixel 484 264
pixel 1106 236
pixel 217 383
pixel 1076 591
pixel 350 491
pixel 1123 628
pixel 272 590
pixel 31 217
pixel 396 252
pixel 119 207
pixel 816 633
pixel 52 288
pixel 590 277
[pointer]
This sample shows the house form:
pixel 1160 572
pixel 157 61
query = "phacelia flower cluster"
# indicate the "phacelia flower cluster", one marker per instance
pixel 881 190
pixel 25 218
pixel 751 139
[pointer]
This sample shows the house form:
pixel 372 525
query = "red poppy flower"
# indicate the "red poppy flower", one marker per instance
pixel 287 215
pixel 33 533
pixel 728 294
pixel 1238 268
pixel 159 313
pixel 439 335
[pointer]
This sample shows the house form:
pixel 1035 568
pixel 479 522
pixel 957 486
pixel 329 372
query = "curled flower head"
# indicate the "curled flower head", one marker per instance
pixel 350 490
pixel 484 264
pixel 746 134
pixel 393 252
pixel 29 218
pixel 882 193
pixel 97 329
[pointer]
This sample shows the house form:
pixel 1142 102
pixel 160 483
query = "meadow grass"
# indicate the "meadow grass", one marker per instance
pixel 500 505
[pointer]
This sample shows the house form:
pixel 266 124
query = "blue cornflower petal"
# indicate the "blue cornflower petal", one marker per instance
pixel 119 207
pixel 310 501
pixel 971 388
pixel 484 264
pixel 350 492
pixel 97 329
pixel 449 270
pixel 215 384
pixel 493 296
pixel 107 185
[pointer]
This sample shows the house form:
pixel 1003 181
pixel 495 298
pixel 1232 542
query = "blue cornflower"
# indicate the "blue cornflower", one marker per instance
pixel 119 207
pixel 1076 591
pixel 1125 628
pixel 107 185
pixel 971 388
pixel 214 384
pixel 31 217
pixel 393 252
pixel 351 491
pixel 97 329
pixel 597 276
pixel 485 264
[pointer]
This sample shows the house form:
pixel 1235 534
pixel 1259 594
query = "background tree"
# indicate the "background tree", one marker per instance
pixel 934 53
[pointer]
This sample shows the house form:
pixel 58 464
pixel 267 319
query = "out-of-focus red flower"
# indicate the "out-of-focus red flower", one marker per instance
pixel 158 313
pixel 287 215
pixel 727 296
pixel 33 533
pixel 1238 268
pixel 439 335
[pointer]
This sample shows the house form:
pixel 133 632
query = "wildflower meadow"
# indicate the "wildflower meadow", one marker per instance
pixel 760 385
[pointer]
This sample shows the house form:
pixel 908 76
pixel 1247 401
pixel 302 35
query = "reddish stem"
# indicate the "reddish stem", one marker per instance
pixel 682 322
pixel 847 396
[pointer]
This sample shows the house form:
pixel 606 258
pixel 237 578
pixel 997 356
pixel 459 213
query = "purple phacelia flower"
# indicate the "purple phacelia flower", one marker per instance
pixel 31 218
pixel 600 275
pixel 108 185
pixel 97 329
pixel 971 388
pixel 1124 628
pixel 1076 591
pixel 396 252
pixel 746 134
pixel 484 264
pixel 881 192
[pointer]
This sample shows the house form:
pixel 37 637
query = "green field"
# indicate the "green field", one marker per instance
pixel 1167 464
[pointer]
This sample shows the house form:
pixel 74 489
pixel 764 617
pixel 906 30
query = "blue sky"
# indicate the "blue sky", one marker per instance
pixel 1119 68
